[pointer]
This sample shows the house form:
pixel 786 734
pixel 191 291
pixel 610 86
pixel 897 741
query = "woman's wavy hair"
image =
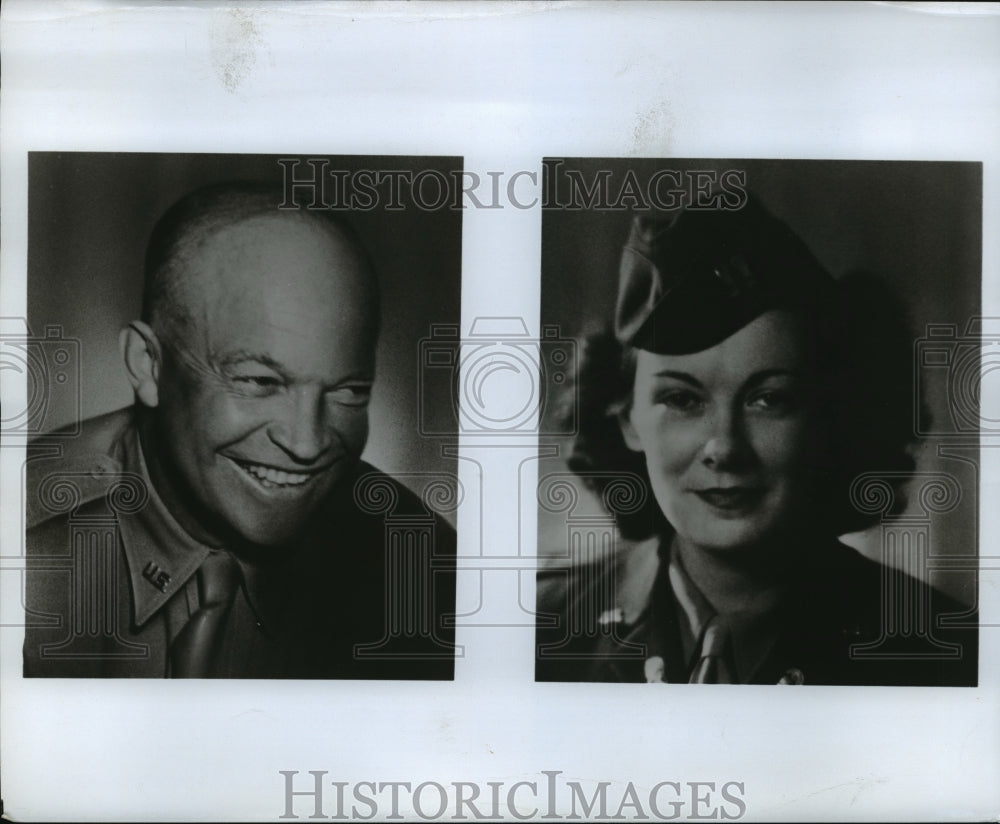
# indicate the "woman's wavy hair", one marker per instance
pixel 868 397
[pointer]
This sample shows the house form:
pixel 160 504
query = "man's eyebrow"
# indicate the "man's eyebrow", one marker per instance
pixel 246 356
pixel 365 376
pixel 242 356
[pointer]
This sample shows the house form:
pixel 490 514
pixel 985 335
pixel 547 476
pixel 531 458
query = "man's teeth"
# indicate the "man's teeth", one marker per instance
pixel 275 477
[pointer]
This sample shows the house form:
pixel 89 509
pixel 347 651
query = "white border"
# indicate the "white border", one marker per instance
pixel 503 84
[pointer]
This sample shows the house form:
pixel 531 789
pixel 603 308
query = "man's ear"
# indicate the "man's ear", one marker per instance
pixel 631 437
pixel 140 350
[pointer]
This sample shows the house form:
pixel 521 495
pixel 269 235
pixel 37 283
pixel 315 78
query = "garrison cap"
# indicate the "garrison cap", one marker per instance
pixel 691 282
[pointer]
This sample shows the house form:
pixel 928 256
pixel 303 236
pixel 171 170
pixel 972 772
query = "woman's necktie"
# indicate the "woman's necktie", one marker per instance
pixel 715 664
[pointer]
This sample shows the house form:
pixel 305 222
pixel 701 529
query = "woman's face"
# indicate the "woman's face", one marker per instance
pixel 727 434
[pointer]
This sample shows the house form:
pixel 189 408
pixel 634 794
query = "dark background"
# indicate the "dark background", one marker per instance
pixel 90 215
pixel 918 225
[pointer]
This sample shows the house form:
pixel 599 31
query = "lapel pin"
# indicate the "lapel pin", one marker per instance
pixel 158 577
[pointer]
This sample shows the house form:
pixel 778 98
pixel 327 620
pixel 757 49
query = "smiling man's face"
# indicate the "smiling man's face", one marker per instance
pixel 263 399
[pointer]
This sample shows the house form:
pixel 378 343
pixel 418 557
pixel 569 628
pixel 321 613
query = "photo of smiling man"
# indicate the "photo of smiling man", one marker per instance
pixel 765 483
pixel 225 525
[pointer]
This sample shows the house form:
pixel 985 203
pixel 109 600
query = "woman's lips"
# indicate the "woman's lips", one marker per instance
pixel 731 498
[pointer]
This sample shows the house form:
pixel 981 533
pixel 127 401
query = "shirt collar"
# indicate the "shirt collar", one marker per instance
pixel 636 576
pixel 694 608
pixel 753 635
pixel 162 556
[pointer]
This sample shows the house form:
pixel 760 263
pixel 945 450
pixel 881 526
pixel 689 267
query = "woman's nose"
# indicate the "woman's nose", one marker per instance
pixel 726 446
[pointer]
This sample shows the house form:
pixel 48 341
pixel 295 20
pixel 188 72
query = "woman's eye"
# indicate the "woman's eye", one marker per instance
pixel 681 401
pixel 773 399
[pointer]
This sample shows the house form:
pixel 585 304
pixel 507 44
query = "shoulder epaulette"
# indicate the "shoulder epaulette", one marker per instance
pixel 63 474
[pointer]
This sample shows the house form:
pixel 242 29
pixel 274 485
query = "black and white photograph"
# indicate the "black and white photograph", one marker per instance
pixel 776 409
pixel 226 348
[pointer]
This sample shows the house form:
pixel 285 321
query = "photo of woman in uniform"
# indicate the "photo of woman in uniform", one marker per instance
pixel 753 404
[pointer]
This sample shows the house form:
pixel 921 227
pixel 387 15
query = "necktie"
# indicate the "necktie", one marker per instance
pixel 714 665
pixel 195 651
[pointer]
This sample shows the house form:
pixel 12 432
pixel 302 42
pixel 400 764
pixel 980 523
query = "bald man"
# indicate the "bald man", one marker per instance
pixel 214 529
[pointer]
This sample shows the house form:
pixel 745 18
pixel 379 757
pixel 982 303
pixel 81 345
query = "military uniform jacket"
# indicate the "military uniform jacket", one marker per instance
pixel 111 578
pixel 846 620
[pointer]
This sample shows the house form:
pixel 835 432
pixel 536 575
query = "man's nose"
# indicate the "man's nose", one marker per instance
pixel 726 446
pixel 303 429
